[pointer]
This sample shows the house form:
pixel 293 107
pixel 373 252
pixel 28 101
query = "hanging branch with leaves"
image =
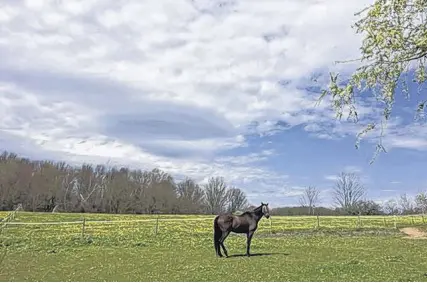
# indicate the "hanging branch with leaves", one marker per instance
pixel 394 43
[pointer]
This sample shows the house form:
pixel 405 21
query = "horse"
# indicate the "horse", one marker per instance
pixel 247 223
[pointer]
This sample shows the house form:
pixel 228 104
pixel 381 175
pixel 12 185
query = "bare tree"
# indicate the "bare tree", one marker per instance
pixel 348 191
pixel 160 193
pixel 406 204
pixel 190 196
pixel 421 202
pixel 236 200
pixel 49 186
pixel 310 198
pixel 390 207
pixel 216 195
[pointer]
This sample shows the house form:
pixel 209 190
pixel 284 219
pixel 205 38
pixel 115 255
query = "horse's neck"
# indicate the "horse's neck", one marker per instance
pixel 257 215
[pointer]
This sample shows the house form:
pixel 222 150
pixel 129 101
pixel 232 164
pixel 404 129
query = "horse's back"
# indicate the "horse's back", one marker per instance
pixel 224 221
pixel 242 224
pixel 236 223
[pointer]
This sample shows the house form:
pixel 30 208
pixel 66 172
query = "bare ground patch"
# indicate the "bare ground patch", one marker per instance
pixel 327 232
pixel 413 233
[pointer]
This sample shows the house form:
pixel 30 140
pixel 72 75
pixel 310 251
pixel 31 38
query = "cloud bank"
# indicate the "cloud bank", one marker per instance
pixel 174 84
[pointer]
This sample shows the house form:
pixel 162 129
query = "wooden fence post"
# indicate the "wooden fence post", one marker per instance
pixel 83 227
pixel 157 224
pixel 395 222
pixel 2 227
pixel 385 224
pixel 359 221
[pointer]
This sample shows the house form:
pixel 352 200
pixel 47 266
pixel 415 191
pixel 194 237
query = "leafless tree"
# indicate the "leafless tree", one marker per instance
pixel 190 196
pixel 215 195
pixel 161 192
pixel 390 207
pixel 49 186
pixel 236 199
pixel 348 191
pixel 421 202
pixel 406 204
pixel 310 198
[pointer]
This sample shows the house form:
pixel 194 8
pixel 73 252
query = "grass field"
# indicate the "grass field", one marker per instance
pixel 290 249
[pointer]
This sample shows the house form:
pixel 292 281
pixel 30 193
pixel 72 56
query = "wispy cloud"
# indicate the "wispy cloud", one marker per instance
pixel 331 177
pixel 352 169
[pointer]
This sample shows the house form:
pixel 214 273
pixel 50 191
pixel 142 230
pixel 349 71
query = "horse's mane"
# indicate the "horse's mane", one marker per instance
pixel 256 209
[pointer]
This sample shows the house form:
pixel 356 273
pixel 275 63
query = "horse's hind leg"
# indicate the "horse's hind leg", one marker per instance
pixel 217 237
pixel 221 241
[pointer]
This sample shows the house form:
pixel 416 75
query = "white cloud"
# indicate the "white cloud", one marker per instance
pixel 275 195
pixel 172 84
pixel 352 169
pixel 331 177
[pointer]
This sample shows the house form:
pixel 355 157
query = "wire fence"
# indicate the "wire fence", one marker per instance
pixel 9 217
pixel 35 231
pixel 276 223
pixel 26 230
pixel 106 221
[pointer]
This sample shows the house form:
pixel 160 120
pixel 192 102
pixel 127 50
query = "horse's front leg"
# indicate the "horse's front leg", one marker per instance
pixel 221 241
pixel 248 242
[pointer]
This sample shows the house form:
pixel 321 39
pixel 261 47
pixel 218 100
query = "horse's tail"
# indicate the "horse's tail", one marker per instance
pixel 217 233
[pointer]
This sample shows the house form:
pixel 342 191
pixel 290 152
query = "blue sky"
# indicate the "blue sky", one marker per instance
pixel 200 90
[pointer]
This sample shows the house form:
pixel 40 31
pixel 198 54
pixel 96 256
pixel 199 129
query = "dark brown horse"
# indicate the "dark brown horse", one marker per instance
pixel 244 223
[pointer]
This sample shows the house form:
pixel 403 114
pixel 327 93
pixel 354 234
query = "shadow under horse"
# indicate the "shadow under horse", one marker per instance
pixel 246 223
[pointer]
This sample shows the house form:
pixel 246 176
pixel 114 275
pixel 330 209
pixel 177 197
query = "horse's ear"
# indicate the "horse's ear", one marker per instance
pixel 262 203
pixel 266 204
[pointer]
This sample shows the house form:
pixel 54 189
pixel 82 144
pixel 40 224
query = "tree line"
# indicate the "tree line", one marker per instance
pixel 47 186
pixel 349 197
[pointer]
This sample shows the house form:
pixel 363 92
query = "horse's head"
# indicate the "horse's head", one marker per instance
pixel 265 210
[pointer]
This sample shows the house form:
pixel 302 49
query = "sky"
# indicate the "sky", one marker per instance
pixel 198 88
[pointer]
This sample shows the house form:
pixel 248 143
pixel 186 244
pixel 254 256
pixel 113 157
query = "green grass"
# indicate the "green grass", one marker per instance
pixel 131 251
pixel 3 214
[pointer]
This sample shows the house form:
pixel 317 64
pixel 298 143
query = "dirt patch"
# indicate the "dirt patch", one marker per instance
pixel 327 232
pixel 413 233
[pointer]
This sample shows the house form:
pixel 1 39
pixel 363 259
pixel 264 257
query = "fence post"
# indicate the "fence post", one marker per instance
pixel 83 227
pixel 13 214
pixel 3 226
pixel 8 218
pixel 422 216
pixel 395 222
pixel 385 224
pixel 157 224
